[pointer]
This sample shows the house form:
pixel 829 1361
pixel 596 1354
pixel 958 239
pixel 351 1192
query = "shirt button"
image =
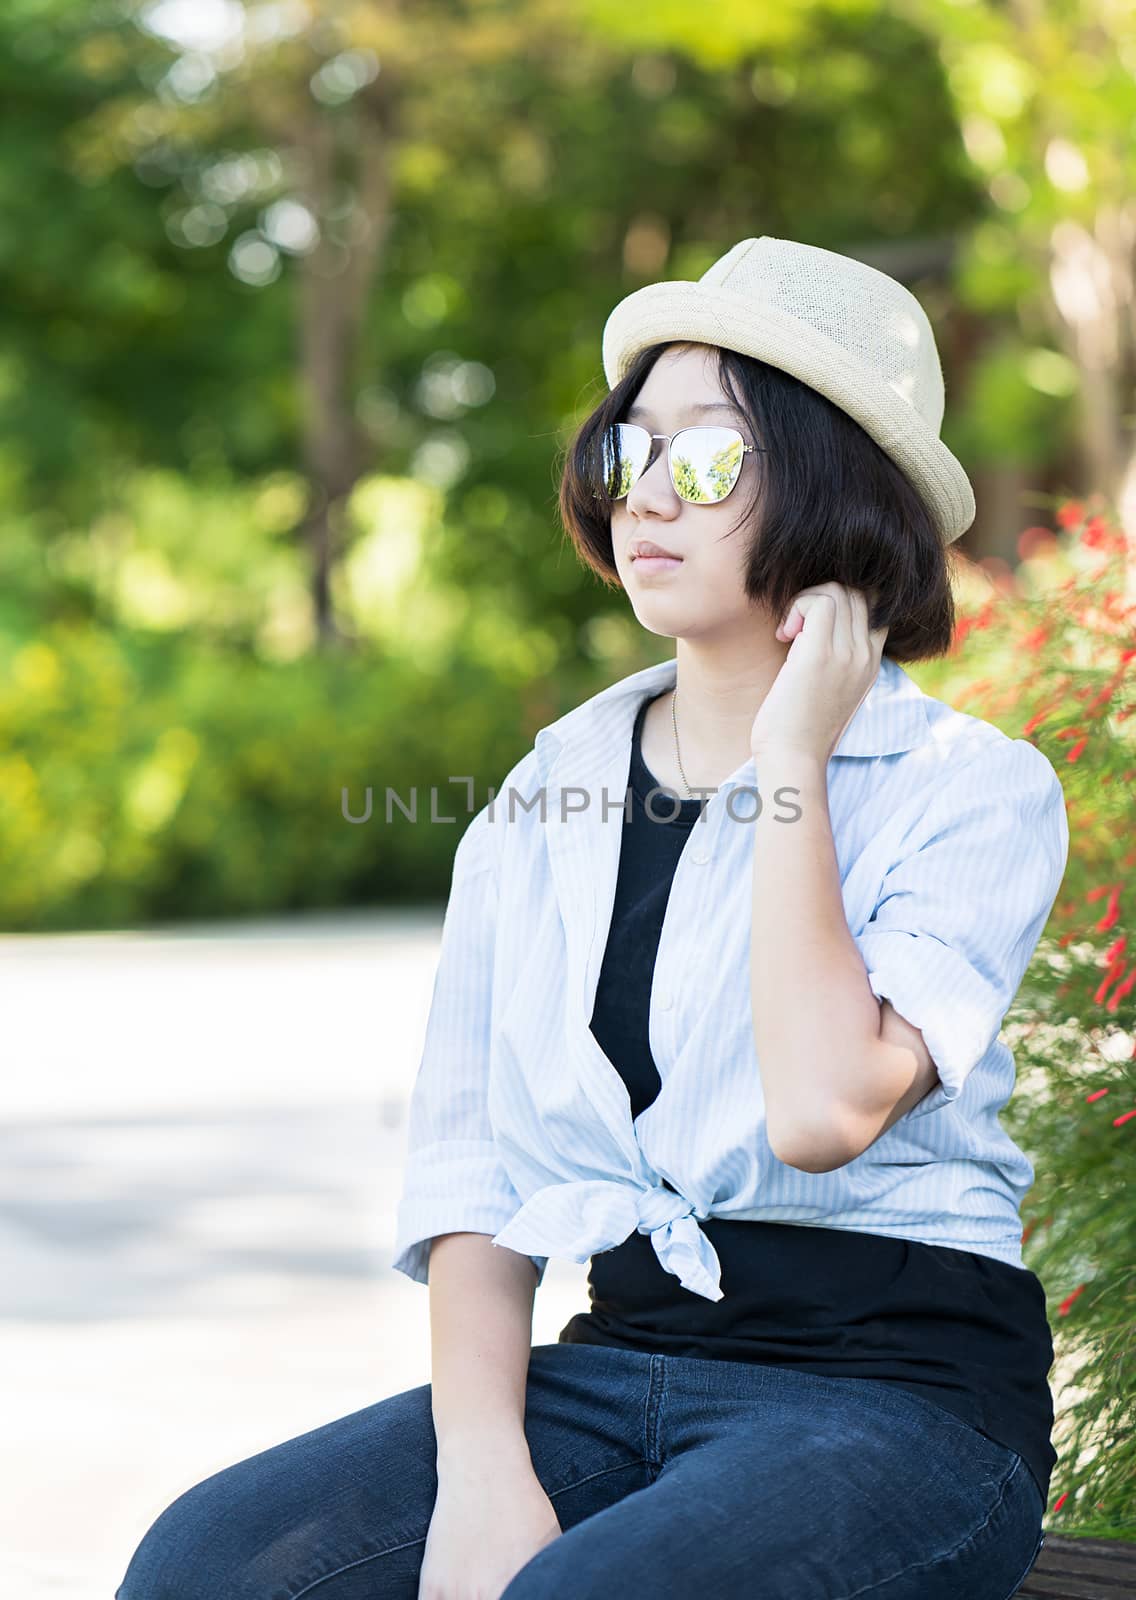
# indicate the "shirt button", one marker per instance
pixel 664 1001
pixel 701 857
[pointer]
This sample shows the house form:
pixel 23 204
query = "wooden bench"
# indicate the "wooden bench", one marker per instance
pixel 1082 1569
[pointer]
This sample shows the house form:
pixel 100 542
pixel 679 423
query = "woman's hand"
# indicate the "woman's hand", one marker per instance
pixel 487 1523
pixel 832 663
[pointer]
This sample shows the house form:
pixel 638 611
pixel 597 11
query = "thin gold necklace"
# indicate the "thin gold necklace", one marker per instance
pixel 678 753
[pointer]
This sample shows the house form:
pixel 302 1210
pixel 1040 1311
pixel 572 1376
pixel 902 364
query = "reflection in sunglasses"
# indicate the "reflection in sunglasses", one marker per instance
pixel 705 462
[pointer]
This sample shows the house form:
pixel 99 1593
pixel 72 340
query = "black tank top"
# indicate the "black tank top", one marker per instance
pixel 961 1329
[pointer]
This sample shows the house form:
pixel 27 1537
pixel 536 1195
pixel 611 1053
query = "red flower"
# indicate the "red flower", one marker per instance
pixel 1110 976
pixel 1035 721
pixel 1038 637
pixel 1063 1308
pixel 1112 912
pixel 1121 990
pixel 1070 514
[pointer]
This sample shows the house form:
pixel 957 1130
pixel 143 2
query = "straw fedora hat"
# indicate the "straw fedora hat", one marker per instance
pixel 847 330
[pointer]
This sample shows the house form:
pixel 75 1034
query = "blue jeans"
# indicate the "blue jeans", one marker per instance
pixel 671 1476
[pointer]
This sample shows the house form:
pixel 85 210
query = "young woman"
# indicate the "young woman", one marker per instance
pixel 717 1009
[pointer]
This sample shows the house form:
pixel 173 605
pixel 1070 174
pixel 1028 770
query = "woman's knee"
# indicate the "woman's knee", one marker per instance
pixel 178 1556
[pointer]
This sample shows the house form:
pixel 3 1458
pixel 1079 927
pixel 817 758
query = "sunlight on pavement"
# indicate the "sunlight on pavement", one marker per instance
pixel 202 1151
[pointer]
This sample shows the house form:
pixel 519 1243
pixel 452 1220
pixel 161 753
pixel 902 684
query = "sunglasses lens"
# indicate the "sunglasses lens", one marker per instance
pixel 705 462
pixel 625 451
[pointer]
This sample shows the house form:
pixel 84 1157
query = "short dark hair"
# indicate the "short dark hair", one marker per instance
pixel 835 507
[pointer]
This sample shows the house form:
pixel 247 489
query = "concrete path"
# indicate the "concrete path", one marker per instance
pixel 201 1140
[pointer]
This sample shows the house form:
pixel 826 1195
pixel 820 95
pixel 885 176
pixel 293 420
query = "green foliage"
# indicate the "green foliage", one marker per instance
pixel 150 778
pixel 1056 662
pixel 566 164
pixel 1017 411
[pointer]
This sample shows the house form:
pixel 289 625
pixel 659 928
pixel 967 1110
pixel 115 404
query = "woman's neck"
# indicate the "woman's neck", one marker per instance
pixel 715 712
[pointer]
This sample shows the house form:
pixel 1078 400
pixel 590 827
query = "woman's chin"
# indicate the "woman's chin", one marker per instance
pixel 668 621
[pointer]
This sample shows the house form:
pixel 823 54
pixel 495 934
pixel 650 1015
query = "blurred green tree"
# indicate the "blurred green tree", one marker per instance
pixel 352 240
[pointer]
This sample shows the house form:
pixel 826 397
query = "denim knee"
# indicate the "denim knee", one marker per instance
pixel 176 1558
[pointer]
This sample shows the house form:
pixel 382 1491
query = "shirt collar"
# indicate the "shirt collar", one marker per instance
pixel 891 718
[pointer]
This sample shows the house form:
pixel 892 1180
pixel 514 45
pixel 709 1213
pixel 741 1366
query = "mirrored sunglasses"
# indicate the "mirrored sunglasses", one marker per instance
pixel 705 462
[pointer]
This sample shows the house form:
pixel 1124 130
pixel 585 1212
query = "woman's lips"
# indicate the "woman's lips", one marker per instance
pixel 645 564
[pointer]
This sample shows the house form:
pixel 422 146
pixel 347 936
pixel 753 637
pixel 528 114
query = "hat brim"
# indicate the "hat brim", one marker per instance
pixel 679 311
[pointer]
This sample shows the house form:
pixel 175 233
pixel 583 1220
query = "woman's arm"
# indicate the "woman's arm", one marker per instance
pixel 455 1180
pixel 956 925
pixel 492 1514
pixel 836 1068
pixel 481 1304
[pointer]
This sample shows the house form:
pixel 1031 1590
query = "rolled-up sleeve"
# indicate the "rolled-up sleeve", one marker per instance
pixel 959 917
pixel 454 1180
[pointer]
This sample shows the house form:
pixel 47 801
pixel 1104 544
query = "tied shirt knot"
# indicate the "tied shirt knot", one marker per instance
pixel 577 1219
pixel 659 1205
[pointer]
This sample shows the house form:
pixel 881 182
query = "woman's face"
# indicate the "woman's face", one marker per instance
pixel 703 592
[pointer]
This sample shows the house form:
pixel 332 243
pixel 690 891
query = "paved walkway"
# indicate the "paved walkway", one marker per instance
pixel 201 1137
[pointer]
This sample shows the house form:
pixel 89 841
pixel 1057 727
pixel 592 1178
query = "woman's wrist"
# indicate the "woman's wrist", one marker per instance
pixel 470 1451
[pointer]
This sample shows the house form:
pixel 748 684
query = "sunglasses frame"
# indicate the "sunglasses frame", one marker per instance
pixel 694 427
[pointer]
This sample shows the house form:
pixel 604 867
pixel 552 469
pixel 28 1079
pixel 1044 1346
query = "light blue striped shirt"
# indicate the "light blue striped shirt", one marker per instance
pixel 951 840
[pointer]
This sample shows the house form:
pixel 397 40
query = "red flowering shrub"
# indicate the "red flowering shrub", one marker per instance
pixel 1048 653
